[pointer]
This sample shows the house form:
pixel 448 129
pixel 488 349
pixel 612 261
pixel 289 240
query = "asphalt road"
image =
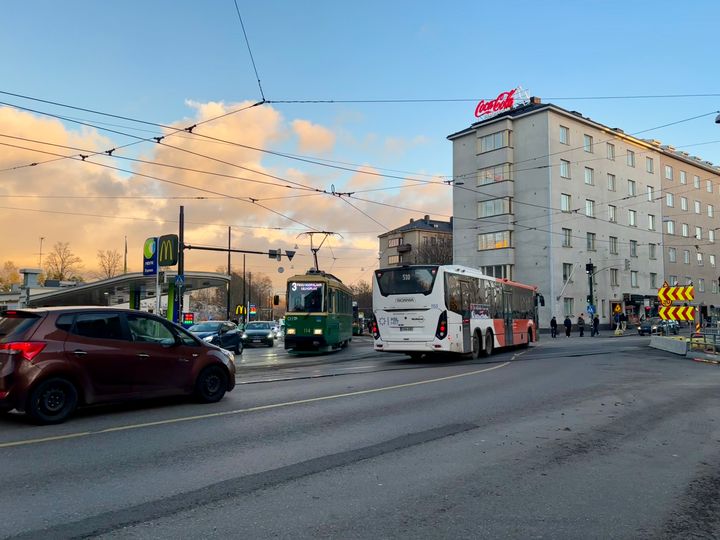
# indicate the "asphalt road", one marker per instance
pixel 574 438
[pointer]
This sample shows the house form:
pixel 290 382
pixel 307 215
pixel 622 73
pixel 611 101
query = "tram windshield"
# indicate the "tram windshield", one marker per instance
pixel 306 297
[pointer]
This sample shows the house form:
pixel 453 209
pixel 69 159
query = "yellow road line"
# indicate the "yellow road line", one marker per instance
pixel 247 410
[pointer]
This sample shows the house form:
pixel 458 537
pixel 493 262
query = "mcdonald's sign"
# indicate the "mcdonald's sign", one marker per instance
pixel 168 250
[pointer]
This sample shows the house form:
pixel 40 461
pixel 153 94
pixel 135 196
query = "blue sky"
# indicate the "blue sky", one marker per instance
pixel 147 59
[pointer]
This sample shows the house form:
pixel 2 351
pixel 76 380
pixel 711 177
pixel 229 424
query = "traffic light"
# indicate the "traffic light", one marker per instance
pixel 589 268
pixel 627 264
pixel 589 299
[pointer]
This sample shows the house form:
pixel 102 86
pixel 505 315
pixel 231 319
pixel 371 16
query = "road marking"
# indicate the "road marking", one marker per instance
pixel 247 410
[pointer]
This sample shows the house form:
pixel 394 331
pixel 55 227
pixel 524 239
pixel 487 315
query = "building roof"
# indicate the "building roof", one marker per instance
pixel 425 224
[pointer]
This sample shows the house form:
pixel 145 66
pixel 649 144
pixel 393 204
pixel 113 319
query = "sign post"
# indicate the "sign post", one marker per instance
pixel 150 267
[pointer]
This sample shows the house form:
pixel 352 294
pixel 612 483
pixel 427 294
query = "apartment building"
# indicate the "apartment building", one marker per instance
pixel 422 241
pixel 540 192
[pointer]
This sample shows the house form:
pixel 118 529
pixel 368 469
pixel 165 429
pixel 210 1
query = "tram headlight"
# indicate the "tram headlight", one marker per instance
pixel 318 332
pixel 290 331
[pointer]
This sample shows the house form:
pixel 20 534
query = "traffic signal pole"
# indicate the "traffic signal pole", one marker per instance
pixel 590 270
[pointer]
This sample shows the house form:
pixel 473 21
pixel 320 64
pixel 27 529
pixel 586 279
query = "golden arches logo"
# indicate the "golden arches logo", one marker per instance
pixel 168 250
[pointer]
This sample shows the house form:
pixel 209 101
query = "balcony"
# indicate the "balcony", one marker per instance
pixel 404 248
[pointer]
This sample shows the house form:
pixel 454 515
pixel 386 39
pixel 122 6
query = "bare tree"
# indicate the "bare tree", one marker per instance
pixel 62 263
pixel 9 276
pixel 362 294
pixel 440 252
pixel 109 261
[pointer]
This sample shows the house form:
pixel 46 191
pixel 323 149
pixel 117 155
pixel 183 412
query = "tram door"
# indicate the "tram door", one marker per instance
pixel 508 314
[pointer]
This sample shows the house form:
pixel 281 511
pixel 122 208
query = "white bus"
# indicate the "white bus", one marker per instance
pixel 450 309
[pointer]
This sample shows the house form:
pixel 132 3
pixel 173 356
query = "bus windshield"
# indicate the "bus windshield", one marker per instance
pixel 408 280
pixel 306 297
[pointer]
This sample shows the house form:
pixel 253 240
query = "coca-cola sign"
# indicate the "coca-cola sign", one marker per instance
pixel 504 101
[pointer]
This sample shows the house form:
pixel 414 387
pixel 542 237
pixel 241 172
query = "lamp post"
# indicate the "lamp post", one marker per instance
pixel 40 258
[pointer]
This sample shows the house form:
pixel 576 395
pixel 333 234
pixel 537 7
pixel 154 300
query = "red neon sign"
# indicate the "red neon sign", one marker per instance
pixel 504 101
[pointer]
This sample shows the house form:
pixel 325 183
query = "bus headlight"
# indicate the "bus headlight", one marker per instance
pixel 318 332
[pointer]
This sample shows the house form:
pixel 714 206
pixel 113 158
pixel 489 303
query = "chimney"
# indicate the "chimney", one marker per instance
pixel 426 218
pixel 412 220
pixel 535 100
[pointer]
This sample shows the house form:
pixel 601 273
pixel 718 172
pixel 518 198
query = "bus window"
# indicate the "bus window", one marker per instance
pixel 410 280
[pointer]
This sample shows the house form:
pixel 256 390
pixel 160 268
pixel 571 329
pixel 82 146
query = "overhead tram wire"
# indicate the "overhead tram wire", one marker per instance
pixel 252 59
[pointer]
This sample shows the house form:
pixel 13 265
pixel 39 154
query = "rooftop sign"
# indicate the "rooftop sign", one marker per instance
pixel 504 101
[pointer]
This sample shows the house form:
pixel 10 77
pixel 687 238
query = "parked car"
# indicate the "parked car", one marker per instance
pixel 53 360
pixel 259 332
pixel 224 334
pixel 656 325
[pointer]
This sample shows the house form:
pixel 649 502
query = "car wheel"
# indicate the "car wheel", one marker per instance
pixel 52 401
pixel 211 384
pixel 271 343
pixel 239 348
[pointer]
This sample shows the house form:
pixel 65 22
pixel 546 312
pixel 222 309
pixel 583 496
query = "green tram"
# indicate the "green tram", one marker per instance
pixel 319 313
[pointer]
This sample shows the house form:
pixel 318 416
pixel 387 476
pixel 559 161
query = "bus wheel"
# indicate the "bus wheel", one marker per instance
pixel 476 345
pixel 489 344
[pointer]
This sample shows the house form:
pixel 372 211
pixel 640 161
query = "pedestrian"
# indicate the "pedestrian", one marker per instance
pixel 553 327
pixel 581 325
pixel 568 326
pixel 617 321
pixel 623 321
pixel 596 325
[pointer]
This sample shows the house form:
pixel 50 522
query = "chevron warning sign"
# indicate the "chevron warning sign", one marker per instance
pixel 667 295
pixel 677 313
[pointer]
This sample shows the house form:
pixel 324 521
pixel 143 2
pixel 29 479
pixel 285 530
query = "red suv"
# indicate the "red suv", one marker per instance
pixel 54 359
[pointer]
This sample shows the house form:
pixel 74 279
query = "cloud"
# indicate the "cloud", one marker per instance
pixel 313 137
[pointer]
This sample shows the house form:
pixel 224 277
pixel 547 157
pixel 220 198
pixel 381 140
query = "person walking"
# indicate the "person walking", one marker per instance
pixel 568 326
pixel 596 325
pixel 581 325
pixel 623 322
pixel 553 327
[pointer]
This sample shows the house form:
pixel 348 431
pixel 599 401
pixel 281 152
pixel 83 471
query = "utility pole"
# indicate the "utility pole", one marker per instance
pixel 590 270
pixel 229 275
pixel 244 303
pixel 40 261
pixel 125 263
pixel 249 295
pixel 181 260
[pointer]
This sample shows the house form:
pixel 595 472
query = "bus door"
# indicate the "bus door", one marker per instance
pixel 465 309
pixel 507 314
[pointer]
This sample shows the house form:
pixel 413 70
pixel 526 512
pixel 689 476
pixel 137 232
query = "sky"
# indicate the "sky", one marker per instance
pixel 180 63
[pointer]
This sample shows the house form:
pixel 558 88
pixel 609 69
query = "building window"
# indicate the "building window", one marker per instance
pixel 588 143
pixel 611 182
pixel 634 279
pixel 712 260
pixel 688 280
pixel 711 236
pixel 698 207
pixel 496 240
pixel 650 193
pixel 394 242
pixel 683 203
pixel 564 169
pixel 696 181
pixel 498 173
pixel 653 280
pixel 711 210
pixel 708 186
pixel 565 202
pixel 589 176
pixel 632 188
pixel 394 259
pixel 701 285
pixel 494 207
pixel 685 230
pixel 503 271
pixel 494 141
pixel 612 213
pixel 632 218
pixel 686 256
pixel 698 233
pixel 651 222
pixel 633 248
pixel 564 135
pixel 611 151
pixel 670 199
pixel 567 272
pixel 652 250
pixel 567 237
pixel 668 172
pixel 683 177
pixel 700 259
pixel 673 280
pixel 670 226
pixel 649 165
pixel 630 158
pixel 613 245
pixel 614 280
pixel 589 208
pixel 591 241
pixel 569 306
pixel 714 286
pixel 672 255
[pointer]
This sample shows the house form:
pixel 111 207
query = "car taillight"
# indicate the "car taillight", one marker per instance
pixel 442 329
pixel 28 349
pixel 374 328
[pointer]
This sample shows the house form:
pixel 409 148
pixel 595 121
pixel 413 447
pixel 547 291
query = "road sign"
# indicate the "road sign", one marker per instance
pixel 591 310
pixel 677 313
pixel 667 295
pixel 179 280
pixel 617 309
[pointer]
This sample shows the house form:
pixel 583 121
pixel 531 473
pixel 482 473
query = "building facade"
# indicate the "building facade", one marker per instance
pixel 422 241
pixel 540 193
